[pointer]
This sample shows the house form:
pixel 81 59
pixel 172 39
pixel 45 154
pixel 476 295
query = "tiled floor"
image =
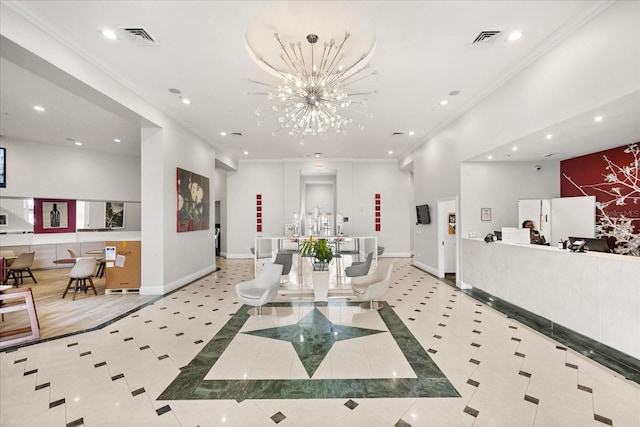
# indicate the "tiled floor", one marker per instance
pixel 432 357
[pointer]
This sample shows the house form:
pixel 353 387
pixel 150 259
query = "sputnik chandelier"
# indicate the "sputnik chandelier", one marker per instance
pixel 314 96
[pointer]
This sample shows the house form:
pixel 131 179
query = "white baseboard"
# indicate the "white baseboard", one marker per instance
pixel 395 255
pixel 239 256
pixel 162 290
pixel 426 268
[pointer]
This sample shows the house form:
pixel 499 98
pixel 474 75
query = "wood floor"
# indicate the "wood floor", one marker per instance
pixel 59 316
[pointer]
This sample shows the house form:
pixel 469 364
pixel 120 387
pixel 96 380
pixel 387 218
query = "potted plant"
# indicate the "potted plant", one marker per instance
pixel 320 251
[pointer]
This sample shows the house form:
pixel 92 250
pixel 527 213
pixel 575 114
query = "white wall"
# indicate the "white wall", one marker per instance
pixel 44 170
pixel 252 178
pixel 357 182
pixel 221 196
pixel 568 80
pixel 499 186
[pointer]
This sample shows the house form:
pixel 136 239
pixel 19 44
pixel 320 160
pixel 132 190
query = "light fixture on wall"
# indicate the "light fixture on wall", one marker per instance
pixel 314 95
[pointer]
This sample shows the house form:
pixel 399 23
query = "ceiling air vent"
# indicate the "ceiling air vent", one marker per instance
pixel 236 134
pixel 485 38
pixel 140 36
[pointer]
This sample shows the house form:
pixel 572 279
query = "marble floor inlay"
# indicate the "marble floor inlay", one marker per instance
pixel 312 337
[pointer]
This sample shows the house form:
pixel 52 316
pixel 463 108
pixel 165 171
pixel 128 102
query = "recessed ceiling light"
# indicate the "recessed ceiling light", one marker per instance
pixel 489 157
pixel 390 151
pixel 186 101
pixel 109 34
pixel 515 35
pixel 301 142
pixel 515 148
pixel 598 119
pixel 444 102
pixel 454 93
pixel 78 143
pixel 549 136
pixel 38 108
pixel 116 140
pixel 318 154
pixel 223 134
pixel 246 153
pixel 412 133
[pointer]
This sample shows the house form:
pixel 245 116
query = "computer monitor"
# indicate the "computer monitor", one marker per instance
pixel 591 244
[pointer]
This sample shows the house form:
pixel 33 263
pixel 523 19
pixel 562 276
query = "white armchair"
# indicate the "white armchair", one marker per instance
pixel 372 286
pixel 262 289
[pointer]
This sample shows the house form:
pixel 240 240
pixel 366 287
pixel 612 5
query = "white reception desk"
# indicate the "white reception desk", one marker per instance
pixel 595 294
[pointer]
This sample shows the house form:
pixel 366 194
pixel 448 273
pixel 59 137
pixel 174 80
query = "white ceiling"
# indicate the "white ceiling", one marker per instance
pixel 423 52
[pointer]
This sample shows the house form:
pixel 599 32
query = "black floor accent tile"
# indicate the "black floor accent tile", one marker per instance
pixel 76 423
pixel 351 404
pixel 516 339
pixel 585 388
pixel 432 351
pixel 33 371
pixel 134 393
pixel 602 419
pixel 57 403
pixel 402 423
pixel 145 347
pixel 15 362
pixel 613 359
pixel 437 336
pixel 198 342
pixel 520 354
pixel 163 410
pixel 475 344
pixel 524 374
pixel 531 399
pixel 179 334
pixel 474 361
pixel 469 410
pixel 278 417
pixel 86 353
pixel 513 327
pixel 128 339
pixel 114 332
pixel 571 365
pixel 41 386
pixel 473 382
pixel 117 377
pixel 72 344
pixel 148 321
pixel 97 365
pixel 442 324
pixel 208 324
pixel 475 331
pixel 163 327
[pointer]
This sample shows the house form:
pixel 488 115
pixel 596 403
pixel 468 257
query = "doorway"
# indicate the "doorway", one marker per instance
pixel 448 239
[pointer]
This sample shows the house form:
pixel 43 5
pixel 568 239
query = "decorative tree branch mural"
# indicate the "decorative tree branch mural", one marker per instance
pixel 621 187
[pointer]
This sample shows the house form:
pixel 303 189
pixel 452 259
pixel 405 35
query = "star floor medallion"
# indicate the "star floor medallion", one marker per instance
pixel 321 334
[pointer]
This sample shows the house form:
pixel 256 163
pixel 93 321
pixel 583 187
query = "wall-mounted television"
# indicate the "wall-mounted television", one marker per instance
pixel 423 215
pixel 3 167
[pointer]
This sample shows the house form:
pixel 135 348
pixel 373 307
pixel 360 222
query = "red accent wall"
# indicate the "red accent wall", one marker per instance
pixel 589 173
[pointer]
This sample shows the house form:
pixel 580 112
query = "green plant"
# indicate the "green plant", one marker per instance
pixel 320 250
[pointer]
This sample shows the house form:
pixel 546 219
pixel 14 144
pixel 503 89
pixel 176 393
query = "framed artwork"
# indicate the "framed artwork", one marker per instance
pixel 4 220
pixel 452 223
pixel 485 214
pixel 114 215
pixel 54 216
pixel 193 205
pixel 3 167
